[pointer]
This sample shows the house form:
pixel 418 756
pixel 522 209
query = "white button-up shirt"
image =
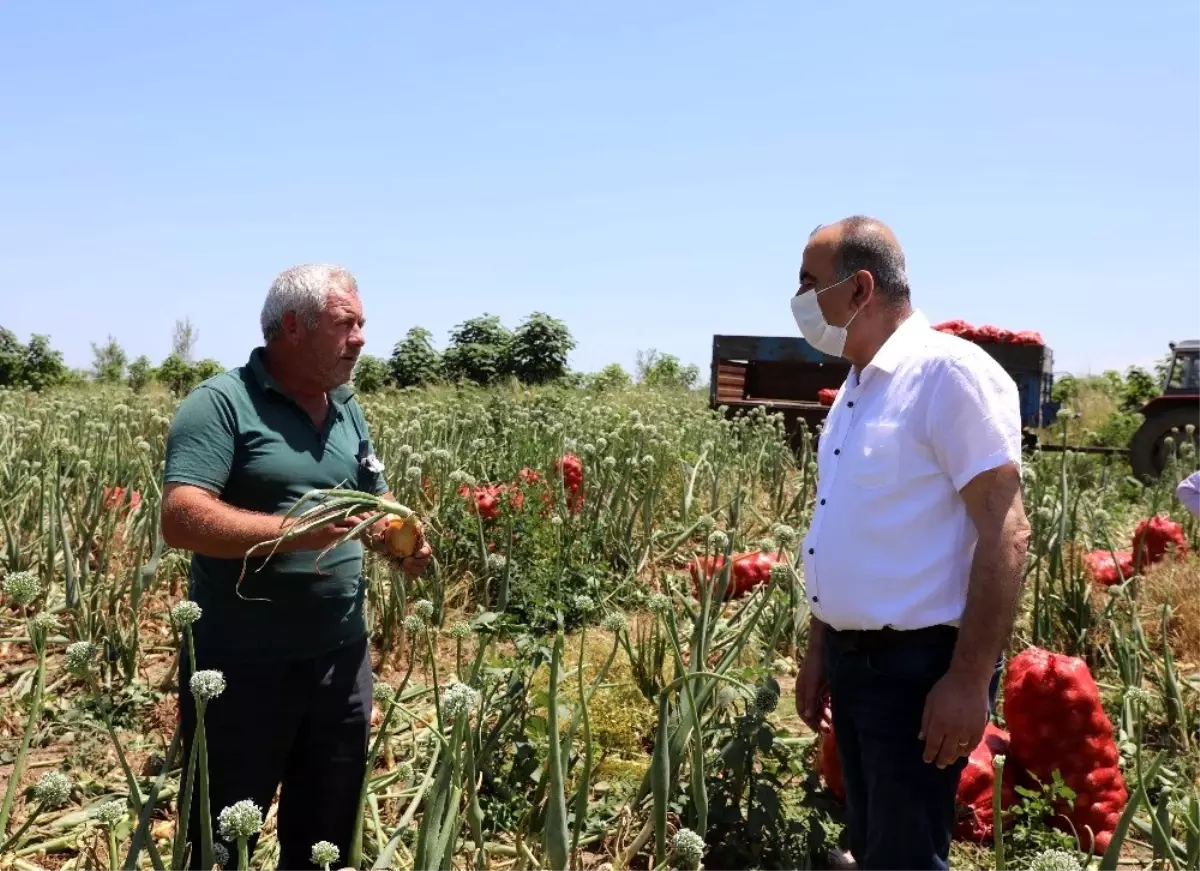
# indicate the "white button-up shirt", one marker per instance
pixel 891 543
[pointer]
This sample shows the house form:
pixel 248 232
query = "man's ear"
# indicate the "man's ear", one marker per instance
pixel 864 287
pixel 291 326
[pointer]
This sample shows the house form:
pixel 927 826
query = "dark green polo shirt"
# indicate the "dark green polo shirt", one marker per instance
pixel 239 435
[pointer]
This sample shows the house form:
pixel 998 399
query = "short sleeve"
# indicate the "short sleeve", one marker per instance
pixel 1188 493
pixel 974 418
pixel 201 441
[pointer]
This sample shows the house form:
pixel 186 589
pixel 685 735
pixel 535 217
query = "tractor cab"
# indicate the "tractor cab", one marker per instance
pixel 1183 375
pixel 1171 418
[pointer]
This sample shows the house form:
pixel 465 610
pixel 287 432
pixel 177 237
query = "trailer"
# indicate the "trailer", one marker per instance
pixel 785 374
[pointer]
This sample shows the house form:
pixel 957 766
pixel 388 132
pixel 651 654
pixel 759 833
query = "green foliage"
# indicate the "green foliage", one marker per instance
pixel 206 369
pixel 1139 388
pixel 538 351
pixel 44 366
pixel 415 362
pixel 176 375
pixel 371 374
pixel 611 377
pixel 140 374
pixel 478 351
pixel 108 362
pixel 12 358
pixel 665 371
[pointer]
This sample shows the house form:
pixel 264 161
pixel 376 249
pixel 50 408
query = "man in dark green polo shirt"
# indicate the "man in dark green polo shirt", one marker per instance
pixel 244 446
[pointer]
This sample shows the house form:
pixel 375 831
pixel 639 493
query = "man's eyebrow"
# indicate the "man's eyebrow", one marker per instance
pixel 805 275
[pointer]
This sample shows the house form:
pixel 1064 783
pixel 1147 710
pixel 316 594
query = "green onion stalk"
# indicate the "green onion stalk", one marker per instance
pixel 22 588
pixel 333 505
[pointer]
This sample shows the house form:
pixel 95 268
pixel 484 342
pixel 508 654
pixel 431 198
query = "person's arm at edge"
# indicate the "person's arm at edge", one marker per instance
pixel 1188 493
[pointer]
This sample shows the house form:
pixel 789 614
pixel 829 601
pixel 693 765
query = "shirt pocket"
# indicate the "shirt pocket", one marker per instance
pixel 876 461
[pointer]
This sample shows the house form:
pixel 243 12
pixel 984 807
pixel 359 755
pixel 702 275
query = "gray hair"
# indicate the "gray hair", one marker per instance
pixel 303 290
pixel 866 244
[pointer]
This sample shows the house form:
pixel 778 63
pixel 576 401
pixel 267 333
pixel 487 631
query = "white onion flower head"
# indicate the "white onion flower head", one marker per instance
pixel 110 813
pixel 782 573
pixel 53 790
pixel 458 698
pixel 614 621
pixel 404 771
pixel 413 624
pixel 423 609
pixel 325 853
pixel 718 541
pixel 207 684
pixel 21 588
pixel 497 562
pixel 460 630
pixel 80 656
pixel 784 535
pixel 441 455
pixel 242 819
pixel 382 692
pixel 585 604
pixel 185 613
pixel 413 473
pixel 1055 860
pixel 688 848
pixel 220 854
pixel 44 622
pixel 660 603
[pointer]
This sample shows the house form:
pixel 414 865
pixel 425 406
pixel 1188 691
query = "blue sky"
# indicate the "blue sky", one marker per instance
pixel 647 172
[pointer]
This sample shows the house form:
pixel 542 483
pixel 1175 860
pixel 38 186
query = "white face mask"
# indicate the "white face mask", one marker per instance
pixel 817 331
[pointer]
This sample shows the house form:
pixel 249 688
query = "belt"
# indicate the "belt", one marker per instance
pixel 887 637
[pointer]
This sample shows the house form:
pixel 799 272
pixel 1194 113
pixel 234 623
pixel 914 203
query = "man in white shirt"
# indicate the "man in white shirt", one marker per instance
pixel 914 557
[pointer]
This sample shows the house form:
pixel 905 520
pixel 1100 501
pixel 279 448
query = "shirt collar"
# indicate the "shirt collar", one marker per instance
pixel 899 343
pixel 258 368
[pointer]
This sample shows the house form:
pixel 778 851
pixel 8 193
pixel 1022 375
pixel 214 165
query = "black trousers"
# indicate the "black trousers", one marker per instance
pixel 900 809
pixel 301 727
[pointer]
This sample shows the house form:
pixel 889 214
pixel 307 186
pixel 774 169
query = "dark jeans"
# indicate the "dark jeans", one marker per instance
pixel 900 810
pixel 303 725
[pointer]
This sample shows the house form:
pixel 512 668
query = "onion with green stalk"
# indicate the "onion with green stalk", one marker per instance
pixel 401 537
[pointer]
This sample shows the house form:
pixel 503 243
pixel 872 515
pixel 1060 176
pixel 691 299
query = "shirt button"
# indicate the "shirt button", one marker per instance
pixel 837 451
pixel 815 599
pixel 811 551
pixel 822 501
pixel 850 405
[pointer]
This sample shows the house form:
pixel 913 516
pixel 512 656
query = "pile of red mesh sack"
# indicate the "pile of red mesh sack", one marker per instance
pixel 1056 723
pixel 750 570
pixel 1103 569
pixel 977 785
pixel 1156 538
pixel 989 333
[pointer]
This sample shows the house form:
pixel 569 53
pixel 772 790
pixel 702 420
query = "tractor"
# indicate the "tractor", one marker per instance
pixel 1175 409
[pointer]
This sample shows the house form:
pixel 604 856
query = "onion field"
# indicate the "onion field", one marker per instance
pixel 597 669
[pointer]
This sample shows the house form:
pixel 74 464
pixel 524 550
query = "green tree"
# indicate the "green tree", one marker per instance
pixel 108 362
pixel 478 351
pixel 665 371
pixel 371 374
pixel 12 358
pixel 140 372
pixel 538 351
pixel 1139 388
pixel 176 374
pixel 44 366
pixel 611 377
pixel 415 362
pixel 206 368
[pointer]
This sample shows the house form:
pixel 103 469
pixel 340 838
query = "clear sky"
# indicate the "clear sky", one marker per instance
pixel 647 172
